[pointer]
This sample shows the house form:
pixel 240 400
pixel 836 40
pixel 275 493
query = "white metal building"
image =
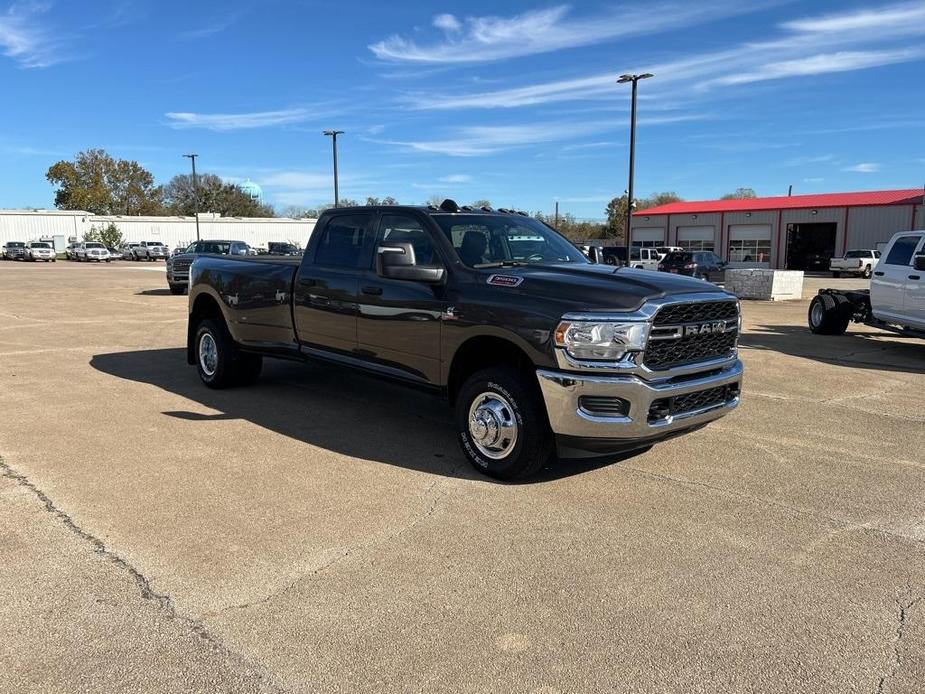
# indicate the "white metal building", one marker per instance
pixel 68 226
pixel 799 232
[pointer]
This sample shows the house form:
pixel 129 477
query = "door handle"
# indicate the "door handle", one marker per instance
pixel 374 291
pixel 914 277
pixel 879 274
pixel 307 282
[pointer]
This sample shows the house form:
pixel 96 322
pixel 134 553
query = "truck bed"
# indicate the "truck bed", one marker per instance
pixel 257 293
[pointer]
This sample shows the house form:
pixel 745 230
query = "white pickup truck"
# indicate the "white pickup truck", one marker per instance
pixel 895 301
pixel 856 262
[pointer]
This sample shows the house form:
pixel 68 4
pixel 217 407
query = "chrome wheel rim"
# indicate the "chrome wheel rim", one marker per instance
pixel 208 354
pixel 816 314
pixel 493 425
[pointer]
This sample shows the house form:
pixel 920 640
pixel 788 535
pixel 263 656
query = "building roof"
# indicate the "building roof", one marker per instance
pixel 911 196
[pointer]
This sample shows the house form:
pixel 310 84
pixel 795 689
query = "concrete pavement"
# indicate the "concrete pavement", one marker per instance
pixel 321 532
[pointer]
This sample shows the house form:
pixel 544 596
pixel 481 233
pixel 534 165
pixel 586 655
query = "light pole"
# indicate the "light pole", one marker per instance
pixel 629 191
pixel 192 158
pixel 333 135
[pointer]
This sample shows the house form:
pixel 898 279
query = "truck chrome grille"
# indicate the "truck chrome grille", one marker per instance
pixel 183 264
pixel 689 333
pixel 692 402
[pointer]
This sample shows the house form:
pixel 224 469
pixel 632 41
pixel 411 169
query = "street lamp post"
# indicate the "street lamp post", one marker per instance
pixel 629 190
pixel 333 135
pixel 192 158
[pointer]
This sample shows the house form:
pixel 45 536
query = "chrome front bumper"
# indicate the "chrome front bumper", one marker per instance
pixel 562 390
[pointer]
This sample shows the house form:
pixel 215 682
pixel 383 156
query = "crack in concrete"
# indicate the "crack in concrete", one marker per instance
pixel 904 609
pixel 844 525
pixel 147 592
pixel 355 550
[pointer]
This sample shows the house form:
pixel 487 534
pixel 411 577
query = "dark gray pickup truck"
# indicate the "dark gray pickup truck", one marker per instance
pixel 538 350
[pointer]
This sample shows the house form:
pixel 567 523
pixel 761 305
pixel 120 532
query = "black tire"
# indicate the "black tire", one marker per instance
pixel 177 289
pixel 836 275
pixel 704 276
pixel 829 315
pixel 867 272
pixel 519 401
pixel 230 367
pixel 610 260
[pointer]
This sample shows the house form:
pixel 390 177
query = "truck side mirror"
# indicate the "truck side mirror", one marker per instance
pixel 396 261
pixel 919 262
pixel 596 254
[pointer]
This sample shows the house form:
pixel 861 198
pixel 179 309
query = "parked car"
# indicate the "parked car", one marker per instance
pixel 14 250
pixel 549 353
pixel 71 251
pixel 178 266
pixel 114 253
pixel 90 251
pixel 150 250
pixel 665 250
pixel 705 265
pixel 39 250
pixel 640 258
pixel 895 300
pixel 858 262
pixel 279 248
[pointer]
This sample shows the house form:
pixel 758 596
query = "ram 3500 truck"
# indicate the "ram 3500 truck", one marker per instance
pixel 538 349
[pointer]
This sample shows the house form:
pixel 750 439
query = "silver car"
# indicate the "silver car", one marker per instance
pixel 151 250
pixel 14 250
pixel 39 250
pixel 92 251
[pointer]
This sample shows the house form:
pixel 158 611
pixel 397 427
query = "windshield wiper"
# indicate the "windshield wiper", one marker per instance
pixel 499 263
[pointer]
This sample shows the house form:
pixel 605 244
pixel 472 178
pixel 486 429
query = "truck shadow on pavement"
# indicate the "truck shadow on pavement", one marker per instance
pixel 338 410
pixel 881 351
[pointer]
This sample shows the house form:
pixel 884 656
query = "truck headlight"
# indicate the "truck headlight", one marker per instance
pixel 604 340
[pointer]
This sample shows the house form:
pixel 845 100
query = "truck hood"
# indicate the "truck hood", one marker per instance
pixel 599 287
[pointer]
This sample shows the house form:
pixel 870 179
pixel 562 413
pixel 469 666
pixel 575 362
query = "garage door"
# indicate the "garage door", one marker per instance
pixel 697 238
pixel 649 237
pixel 750 245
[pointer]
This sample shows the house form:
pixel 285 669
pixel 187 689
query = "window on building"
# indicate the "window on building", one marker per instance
pixel 750 250
pixel 696 245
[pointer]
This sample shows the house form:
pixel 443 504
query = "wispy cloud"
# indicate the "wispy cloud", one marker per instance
pixel 455 178
pixel 216 26
pixel 808 47
pixel 806 160
pixel 482 140
pixel 813 180
pixel 223 122
pixel 483 39
pixel 27 40
pixel 863 167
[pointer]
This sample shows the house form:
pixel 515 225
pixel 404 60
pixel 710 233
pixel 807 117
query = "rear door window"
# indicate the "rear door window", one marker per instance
pixel 902 250
pixel 343 241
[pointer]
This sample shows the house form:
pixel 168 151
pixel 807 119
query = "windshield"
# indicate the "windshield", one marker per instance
pixel 15 244
pixel 39 245
pixel 857 254
pixel 94 245
pixel 483 240
pixel 217 247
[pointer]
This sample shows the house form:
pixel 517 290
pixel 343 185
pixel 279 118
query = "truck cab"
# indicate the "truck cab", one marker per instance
pixel 897 288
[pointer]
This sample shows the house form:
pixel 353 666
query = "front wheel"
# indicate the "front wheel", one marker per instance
pixel 836 275
pixel 177 289
pixel 867 272
pixel 828 316
pixel 501 424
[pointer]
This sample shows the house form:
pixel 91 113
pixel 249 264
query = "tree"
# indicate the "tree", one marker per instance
pixel 215 195
pixel 740 194
pixel 100 184
pixel 347 202
pixel 481 203
pixel 657 199
pixel 616 218
pixel 388 200
pixel 109 235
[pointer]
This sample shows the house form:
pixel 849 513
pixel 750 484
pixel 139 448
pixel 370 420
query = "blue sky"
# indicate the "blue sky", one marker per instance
pixel 516 102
